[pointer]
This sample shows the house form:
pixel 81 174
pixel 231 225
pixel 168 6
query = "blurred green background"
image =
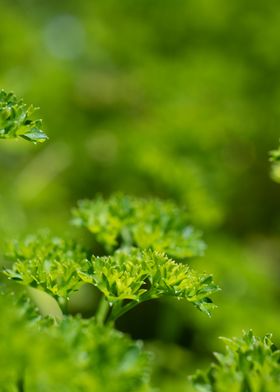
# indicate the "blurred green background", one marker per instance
pixel 168 98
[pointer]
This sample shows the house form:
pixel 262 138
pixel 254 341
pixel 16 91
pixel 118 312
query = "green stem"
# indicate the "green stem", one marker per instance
pixel 63 304
pixel 20 382
pixel 102 311
pixel 119 311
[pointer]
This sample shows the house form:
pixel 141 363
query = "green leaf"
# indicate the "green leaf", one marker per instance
pixel 148 224
pixel 134 276
pixel 249 364
pixel 73 356
pixel 47 263
pixel 108 360
pixel 16 120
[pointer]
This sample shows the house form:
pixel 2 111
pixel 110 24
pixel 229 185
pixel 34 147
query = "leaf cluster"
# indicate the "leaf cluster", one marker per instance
pixel 16 119
pixel 132 276
pixel 146 224
pixel 141 236
pixel 47 263
pixel 249 364
pixel 75 355
pixel 126 278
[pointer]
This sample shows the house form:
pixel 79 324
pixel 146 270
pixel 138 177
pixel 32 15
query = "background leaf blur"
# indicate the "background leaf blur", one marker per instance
pixel 166 98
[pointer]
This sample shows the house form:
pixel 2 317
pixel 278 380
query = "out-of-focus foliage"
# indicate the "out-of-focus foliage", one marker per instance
pixel 147 224
pixel 275 155
pixel 275 166
pixel 140 276
pixel 16 119
pixel 75 355
pixel 47 263
pixel 170 99
pixel 179 86
pixel 249 364
pixel 242 274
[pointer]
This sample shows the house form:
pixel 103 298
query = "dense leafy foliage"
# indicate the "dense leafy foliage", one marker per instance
pixel 47 263
pixel 147 224
pixel 169 99
pixel 98 356
pixel 249 364
pixel 75 355
pixel 59 268
pixel 140 276
pixel 16 119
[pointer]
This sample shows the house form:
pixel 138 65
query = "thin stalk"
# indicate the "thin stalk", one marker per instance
pixel 102 311
pixel 116 313
pixel 120 311
pixel 63 304
pixel 20 383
